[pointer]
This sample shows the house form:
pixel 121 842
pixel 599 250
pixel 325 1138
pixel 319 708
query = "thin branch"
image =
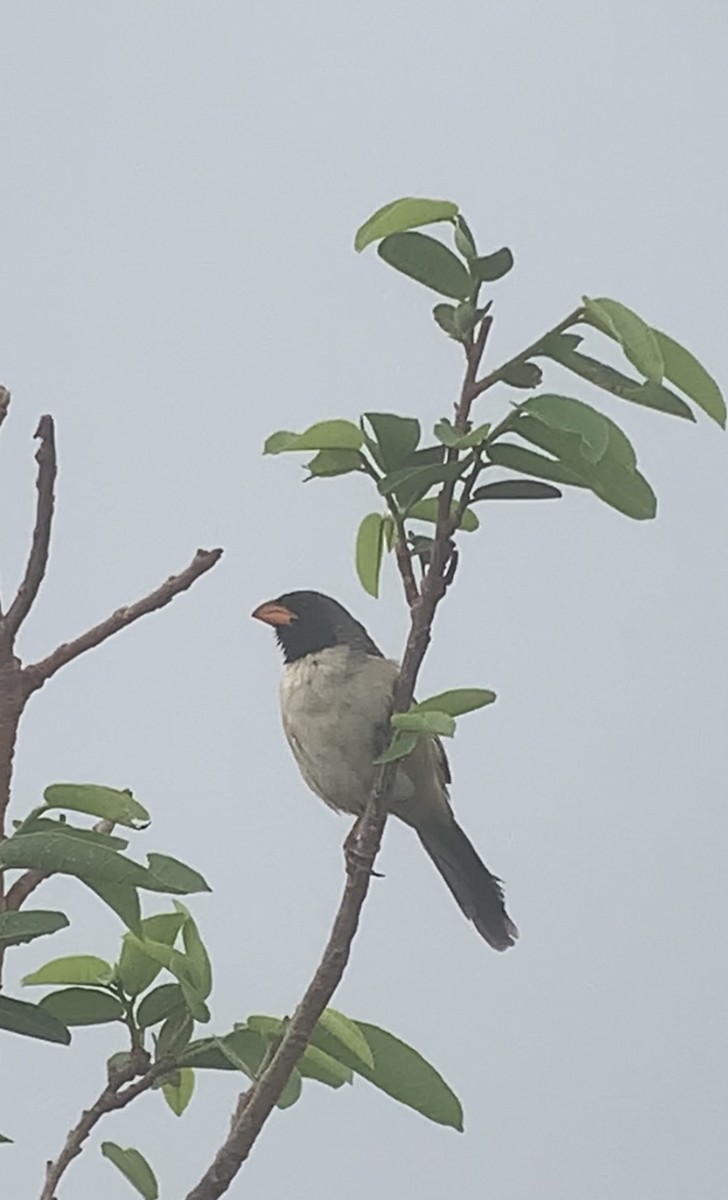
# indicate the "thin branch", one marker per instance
pixel 114 1097
pixel 4 402
pixel 256 1105
pixel 38 558
pixel 495 376
pixel 404 557
pixel 36 674
pixel 23 887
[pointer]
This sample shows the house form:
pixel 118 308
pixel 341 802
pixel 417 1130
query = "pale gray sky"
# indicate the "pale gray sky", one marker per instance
pixel 181 186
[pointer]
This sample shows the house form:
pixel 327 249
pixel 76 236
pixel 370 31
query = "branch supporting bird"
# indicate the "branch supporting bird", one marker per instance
pixel 336 698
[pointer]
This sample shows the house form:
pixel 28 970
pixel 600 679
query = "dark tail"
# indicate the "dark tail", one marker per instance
pixel 478 893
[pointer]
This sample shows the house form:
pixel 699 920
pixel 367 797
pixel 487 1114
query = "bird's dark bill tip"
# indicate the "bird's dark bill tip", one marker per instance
pixel 272 612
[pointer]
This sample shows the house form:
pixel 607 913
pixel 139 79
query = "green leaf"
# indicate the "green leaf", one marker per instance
pixel 465 318
pixel 407 1077
pixel 5 1140
pixel 426 510
pixel 566 415
pixel 456 702
pixel 463 237
pixel 389 532
pixel 335 1033
pixel 17 1016
pixel 410 484
pixel 429 722
pixel 174 1036
pixel 402 743
pixel 324 435
pixel 397 438
pixel 122 899
pixel 635 336
pixel 181 967
pixel 647 394
pixel 57 852
pixel 197 955
pixel 684 370
pixel 491 267
pixel 160 1003
pixel 108 803
pixel 53 853
pixel 48 825
pixel 398 215
pixel 83 1006
pixel 179 1093
pixel 74 968
pixel 137 969
pixel 18 927
pixel 516 489
pixel 627 491
pixel 241 1050
pixel 451 437
pixel 133 1167
pixel 516 458
pixel 171 875
pixel 522 375
pixel 579 432
pixel 428 262
pixel 329 463
pixel 292 1090
pixel 444 316
pixel 317 1064
pixel 369 551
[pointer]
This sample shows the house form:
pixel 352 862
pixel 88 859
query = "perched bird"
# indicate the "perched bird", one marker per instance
pixel 335 695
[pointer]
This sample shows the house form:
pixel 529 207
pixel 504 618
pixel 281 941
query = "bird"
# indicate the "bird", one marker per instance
pixel 335 698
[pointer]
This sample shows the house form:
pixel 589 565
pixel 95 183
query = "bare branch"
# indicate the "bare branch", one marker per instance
pixel 4 403
pixel 38 558
pixel 114 1097
pixel 36 674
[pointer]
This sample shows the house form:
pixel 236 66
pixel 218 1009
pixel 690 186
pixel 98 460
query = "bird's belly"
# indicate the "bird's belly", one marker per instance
pixel 335 721
pixel 340 768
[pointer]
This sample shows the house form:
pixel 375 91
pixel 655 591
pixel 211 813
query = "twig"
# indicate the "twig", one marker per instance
pixel 114 1097
pixel 23 887
pixel 4 403
pixel 255 1105
pixel 45 457
pixel 404 557
pixel 495 376
pixel 36 674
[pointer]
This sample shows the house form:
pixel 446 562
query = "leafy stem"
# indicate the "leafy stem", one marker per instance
pixel 496 376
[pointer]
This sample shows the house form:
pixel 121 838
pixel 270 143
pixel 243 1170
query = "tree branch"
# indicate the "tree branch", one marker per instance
pixel 362 846
pixel 495 376
pixel 4 403
pixel 114 1097
pixel 38 558
pixel 403 555
pixel 255 1105
pixel 36 674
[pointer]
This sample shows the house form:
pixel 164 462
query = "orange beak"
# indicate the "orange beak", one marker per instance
pixel 273 613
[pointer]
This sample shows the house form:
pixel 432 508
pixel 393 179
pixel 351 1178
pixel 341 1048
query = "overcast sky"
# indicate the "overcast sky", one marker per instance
pixel 181 186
